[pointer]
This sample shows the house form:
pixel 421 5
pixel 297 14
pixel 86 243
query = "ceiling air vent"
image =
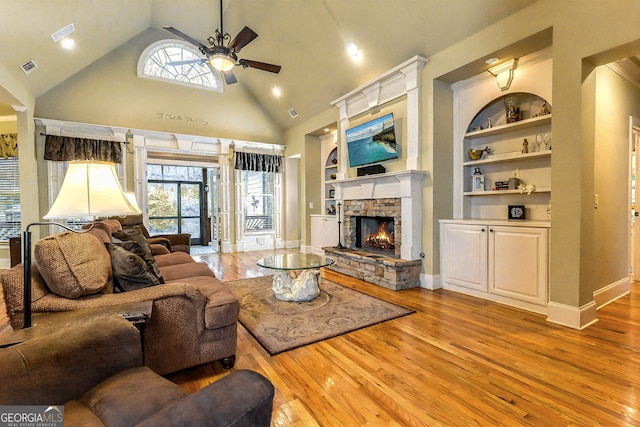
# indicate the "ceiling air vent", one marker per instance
pixel 293 113
pixel 28 66
pixel 63 32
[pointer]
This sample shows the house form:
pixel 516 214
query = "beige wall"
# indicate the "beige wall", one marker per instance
pixel 298 141
pixel 580 30
pixel 615 101
pixel 109 92
pixel 8 127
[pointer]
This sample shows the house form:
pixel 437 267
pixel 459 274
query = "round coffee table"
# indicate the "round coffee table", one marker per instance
pixel 306 286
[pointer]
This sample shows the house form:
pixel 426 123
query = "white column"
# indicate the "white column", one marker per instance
pixel 225 200
pixel 414 114
pixel 238 214
pixel 277 209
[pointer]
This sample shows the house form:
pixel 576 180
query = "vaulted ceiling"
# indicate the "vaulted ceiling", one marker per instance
pixel 306 37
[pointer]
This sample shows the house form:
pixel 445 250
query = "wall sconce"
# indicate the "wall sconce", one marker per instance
pixel 504 73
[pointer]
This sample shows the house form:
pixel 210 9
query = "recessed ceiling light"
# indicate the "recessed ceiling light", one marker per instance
pixel 491 60
pixel 352 49
pixel 327 129
pixel 68 43
pixel 63 32
pixel 276 91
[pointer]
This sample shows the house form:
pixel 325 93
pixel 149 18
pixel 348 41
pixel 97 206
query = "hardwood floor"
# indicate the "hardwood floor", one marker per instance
pixel 457 361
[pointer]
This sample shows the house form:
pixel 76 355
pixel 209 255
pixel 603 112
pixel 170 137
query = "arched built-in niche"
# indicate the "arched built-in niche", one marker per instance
pixel 494 113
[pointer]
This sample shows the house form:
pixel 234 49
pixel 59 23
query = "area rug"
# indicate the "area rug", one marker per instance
pixel 281 326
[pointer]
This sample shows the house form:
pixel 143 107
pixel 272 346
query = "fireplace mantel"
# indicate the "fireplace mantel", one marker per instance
pixel 387 185
pixel 403 185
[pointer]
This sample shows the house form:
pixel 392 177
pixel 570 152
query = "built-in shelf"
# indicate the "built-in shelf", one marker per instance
pixel 501 192
pixel 519 158
pixel 510 127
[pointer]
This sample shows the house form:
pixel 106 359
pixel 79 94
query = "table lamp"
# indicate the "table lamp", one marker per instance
pixel 90 188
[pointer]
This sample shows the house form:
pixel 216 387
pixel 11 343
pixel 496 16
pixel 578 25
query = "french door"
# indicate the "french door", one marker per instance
pixel 175 207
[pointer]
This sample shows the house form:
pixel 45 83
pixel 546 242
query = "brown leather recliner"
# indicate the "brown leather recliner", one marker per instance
pixel 177 241
pixel 96 368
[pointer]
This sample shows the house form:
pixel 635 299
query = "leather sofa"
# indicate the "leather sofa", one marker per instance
pixel 194 317
pixel 96 368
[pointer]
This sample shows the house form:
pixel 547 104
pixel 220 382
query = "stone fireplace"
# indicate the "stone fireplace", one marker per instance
pixel 385 210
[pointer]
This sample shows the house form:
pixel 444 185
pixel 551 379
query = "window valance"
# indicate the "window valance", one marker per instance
pixel 66 148
pixel 259 162
pixel 9 145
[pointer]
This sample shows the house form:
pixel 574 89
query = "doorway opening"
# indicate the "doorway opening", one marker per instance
pixel 183 199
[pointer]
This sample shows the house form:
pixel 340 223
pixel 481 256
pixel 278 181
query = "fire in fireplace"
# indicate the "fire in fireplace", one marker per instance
pixel 375 233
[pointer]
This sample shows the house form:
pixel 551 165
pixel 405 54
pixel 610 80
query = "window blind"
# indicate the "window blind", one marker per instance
pixel 9 199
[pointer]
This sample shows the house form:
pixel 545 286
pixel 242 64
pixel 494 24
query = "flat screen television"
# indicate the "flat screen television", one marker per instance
pixel 372 142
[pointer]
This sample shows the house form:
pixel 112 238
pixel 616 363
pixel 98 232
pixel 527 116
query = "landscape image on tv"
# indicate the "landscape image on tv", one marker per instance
pixel 372 142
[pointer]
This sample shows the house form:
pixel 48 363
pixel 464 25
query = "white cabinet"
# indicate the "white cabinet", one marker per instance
pixel 497 261
pixel 464 256
pixel 324 232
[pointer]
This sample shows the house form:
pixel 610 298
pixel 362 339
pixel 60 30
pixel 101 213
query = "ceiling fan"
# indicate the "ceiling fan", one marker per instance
pixel 224 58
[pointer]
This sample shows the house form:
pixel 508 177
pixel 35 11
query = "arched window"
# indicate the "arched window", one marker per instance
pixel 178 62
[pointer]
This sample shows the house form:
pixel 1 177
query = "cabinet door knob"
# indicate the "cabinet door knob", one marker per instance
pixel 491 230
pixel 483 230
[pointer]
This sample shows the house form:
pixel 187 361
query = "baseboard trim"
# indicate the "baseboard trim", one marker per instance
pixel 305 249
pixel 430 281
pixel 292 244
pixel 572 317
pixel 612 292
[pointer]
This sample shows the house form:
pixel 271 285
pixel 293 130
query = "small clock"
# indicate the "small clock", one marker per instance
pixel 516 212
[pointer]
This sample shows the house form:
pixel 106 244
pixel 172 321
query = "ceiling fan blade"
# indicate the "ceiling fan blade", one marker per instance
pixel 244 37
pixel 229 77
pixel 187 38
pixel 187 62
pixel 260 65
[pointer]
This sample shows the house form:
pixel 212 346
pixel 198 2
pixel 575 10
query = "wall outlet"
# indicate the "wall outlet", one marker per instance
pixel 310 205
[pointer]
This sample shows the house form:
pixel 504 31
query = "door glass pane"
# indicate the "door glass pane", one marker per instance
pixel 163 199
pixel 191 226
pixel 163 226
pixel 190 200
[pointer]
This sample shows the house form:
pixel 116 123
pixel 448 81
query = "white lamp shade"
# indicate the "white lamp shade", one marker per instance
pixel 90 189
pixel 131 197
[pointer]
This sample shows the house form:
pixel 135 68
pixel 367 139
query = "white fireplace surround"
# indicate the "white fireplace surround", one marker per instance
pixel 404 185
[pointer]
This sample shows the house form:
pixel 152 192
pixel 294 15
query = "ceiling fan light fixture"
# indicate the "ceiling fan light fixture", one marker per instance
pixel 221 62
pixel 352 49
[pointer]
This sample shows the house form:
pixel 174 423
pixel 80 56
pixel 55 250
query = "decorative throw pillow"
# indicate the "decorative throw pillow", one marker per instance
pixel 132 235
pixel 72 264
pixel 135 247
pixel 130 272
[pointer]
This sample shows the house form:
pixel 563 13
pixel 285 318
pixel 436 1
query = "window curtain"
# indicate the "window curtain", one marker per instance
pixel 259 162
pixel 65 148
pixel 9 145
